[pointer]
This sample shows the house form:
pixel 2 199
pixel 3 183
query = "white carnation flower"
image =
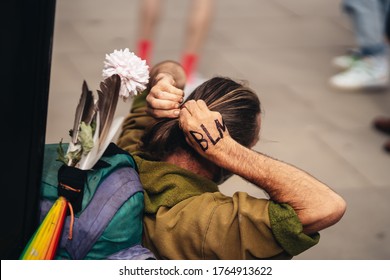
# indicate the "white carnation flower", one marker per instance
pixel 134 71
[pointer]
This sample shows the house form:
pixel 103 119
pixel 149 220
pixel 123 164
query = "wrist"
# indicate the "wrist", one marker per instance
pixel 169 68
pixel 164 76
pixel 222 153
pixel 234 157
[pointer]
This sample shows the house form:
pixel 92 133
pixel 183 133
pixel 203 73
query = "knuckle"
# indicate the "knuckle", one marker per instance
pixel 216 114
pixel 159 94
pixel 180 93
pixel 178 97
pixel 153 90
pixel 190 102
pixel 153 103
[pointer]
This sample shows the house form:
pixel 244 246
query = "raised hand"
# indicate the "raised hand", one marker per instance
pixel 204 129
pixel 164 98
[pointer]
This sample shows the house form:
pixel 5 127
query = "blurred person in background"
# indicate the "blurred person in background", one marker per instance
pixel 382 123
pixel 367 66
pixel 198 23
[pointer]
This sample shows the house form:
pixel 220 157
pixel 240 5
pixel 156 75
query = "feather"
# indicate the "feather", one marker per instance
pixel 84 108
pixel 108 100
pixel 115 126
pixel 106 107
pixel 89 108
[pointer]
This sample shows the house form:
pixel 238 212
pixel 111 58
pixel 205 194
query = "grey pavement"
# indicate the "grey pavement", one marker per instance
pixel 283 49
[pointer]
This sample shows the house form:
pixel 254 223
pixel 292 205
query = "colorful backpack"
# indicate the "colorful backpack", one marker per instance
pixel 110 222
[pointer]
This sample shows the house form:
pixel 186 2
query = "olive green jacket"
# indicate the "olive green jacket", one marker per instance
pixel 186 217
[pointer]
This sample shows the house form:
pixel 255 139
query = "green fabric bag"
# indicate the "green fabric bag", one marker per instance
pixel 110 223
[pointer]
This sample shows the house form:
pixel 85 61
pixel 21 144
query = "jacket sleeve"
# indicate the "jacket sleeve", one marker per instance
pixel 135 124
pixel 214 226
pixel 259 228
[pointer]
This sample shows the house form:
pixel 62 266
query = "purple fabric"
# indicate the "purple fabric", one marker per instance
pixel 113 191
pixel 136 252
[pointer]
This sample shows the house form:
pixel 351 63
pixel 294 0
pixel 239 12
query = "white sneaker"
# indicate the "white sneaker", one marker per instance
pixel 365 73
pixel 346 61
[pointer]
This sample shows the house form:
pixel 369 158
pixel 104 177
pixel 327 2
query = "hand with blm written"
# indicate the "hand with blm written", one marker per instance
pixel 203 128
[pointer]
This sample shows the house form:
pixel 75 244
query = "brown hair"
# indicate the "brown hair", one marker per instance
pixel 238 105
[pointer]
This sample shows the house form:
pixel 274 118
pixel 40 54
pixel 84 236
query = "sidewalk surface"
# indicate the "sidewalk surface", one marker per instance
pixel 283 49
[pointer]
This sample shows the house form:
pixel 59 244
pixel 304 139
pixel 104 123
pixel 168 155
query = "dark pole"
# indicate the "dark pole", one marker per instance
pixel 27 33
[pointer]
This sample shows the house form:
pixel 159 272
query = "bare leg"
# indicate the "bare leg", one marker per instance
pixel 148 19
pixel 198 24
pixel 197 28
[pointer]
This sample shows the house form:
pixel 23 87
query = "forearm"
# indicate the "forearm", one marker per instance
pixel 316 205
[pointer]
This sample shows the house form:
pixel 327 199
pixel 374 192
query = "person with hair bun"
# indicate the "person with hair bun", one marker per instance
pixel 185 149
